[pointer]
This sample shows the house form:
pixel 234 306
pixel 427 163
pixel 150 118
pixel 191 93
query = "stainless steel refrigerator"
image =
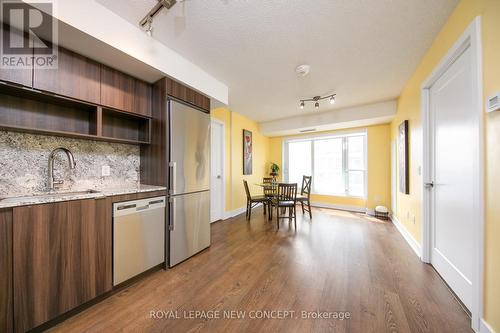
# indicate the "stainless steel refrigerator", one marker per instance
pixel 189 189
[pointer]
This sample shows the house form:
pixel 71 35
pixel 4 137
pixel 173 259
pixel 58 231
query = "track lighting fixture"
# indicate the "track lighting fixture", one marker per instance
pixel 147 21
pixel 316 100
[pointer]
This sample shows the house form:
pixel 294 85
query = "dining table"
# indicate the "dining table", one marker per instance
pixel 271 189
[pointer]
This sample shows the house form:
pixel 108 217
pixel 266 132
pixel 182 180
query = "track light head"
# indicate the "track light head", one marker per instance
pixel 316 105
pixel 149 26
pixel 302 104
pixel 332 100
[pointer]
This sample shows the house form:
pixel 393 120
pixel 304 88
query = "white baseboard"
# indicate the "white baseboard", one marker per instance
pixel 407 236
pixel 370 212
pixel 485 327
pixel 233 213
pixel 236 212
pixel 356 209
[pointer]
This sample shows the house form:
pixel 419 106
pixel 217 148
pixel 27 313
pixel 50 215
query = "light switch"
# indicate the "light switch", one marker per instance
pixel 106 171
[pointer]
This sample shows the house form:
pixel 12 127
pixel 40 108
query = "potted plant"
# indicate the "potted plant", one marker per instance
pixel 274 170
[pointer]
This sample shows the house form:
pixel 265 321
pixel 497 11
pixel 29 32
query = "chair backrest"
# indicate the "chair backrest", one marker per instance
pixel 266 180
pixel 269 186
pixel 247 191
pixel 306 185
pixel 287 192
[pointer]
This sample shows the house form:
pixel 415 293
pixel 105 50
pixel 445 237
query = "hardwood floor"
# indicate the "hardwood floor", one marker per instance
pixel 338 262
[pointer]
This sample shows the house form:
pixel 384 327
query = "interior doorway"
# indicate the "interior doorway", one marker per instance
pixel 217 197
pixel 452 171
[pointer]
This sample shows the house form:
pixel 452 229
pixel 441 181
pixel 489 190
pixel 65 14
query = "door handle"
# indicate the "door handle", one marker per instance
pixel 218 176
pixel 429 185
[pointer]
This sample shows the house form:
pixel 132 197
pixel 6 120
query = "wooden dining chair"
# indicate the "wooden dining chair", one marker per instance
pixel 269 188
pixel 253 201
pixel 266 180
pixel 285 198
pixel 305 195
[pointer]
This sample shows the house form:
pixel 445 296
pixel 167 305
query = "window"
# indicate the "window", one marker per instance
pixel 337 164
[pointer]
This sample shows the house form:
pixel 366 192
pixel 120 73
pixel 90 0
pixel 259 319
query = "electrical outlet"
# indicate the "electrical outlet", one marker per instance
pixel 105 171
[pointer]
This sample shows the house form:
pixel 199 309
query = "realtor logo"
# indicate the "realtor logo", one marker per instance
pixel 29 35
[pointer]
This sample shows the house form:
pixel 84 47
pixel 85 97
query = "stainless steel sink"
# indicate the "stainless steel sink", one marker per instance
pixel 63 194
pixel 52 195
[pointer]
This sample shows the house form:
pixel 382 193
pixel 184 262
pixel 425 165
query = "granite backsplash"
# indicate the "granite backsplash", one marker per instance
pixel 24 163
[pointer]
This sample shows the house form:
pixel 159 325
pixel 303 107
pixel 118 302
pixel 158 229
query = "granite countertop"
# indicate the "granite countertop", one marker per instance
pixel 43 198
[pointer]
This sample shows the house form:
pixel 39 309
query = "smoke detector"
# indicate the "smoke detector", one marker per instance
pixel 302 70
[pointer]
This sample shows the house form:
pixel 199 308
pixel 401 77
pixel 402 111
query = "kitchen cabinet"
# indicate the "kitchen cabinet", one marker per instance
pixel 6 311
pixel 76 77
pixel 21 76
pixel 142 98
pixel 123 92
pixel 117 89
pixel 188 95
pixel 62 258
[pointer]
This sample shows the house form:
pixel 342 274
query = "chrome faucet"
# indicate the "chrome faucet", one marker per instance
pixel 72 165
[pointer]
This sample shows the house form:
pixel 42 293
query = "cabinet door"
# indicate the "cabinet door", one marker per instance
pixel 76 77
pixel 6 314
pixel 16 75
pixel 180 91
pixel 142 98
pixel 117 89
pixel 62 258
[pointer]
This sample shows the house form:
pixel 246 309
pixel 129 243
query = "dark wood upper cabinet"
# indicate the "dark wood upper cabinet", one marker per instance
pixel 124 92
pixel 6 301
pixel 76 77
pixel 21 76
pixel 142 98
pixel 188 95
pixel 117 89
pixel 62 258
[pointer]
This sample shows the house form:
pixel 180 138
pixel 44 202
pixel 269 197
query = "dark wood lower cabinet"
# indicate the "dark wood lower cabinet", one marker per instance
pixel 62 258
pixel 6 311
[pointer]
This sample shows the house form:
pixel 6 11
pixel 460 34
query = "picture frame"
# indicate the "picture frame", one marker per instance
pixel 247 152
pixel 403 158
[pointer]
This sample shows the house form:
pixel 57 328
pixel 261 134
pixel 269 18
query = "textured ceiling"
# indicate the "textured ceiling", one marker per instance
pixel 364 50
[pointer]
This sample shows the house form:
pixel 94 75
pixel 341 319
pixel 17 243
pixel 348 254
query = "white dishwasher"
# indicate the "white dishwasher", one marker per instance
pixel 138 237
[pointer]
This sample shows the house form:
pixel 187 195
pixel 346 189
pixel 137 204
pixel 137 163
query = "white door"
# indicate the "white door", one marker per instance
pixel 453 146
pixel 217 172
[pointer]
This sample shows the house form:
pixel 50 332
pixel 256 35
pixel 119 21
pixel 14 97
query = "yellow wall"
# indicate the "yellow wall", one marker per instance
pixel 409 107
pixel 234 125
pixel 379 169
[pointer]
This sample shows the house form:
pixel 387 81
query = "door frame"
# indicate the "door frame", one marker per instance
pixel 471 38
pixel 223 172
pixel 394 178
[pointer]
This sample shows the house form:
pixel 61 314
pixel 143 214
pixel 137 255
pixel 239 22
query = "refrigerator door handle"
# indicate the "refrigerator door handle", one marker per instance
pixel 173 172
pixel 171 225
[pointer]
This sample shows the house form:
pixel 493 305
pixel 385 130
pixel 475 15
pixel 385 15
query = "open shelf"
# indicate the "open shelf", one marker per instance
pixel 27 109
pixel 122 127
pixel 33 111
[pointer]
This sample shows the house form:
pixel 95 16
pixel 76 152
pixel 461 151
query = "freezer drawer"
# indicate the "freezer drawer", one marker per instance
pixel 138 237
pixel 189 149
pixel 189 225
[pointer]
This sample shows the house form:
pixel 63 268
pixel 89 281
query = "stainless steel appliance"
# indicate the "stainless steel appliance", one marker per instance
pixel 189 190
pixel 138 237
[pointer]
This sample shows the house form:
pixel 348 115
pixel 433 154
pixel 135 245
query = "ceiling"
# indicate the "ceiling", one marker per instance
pixel 363 50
